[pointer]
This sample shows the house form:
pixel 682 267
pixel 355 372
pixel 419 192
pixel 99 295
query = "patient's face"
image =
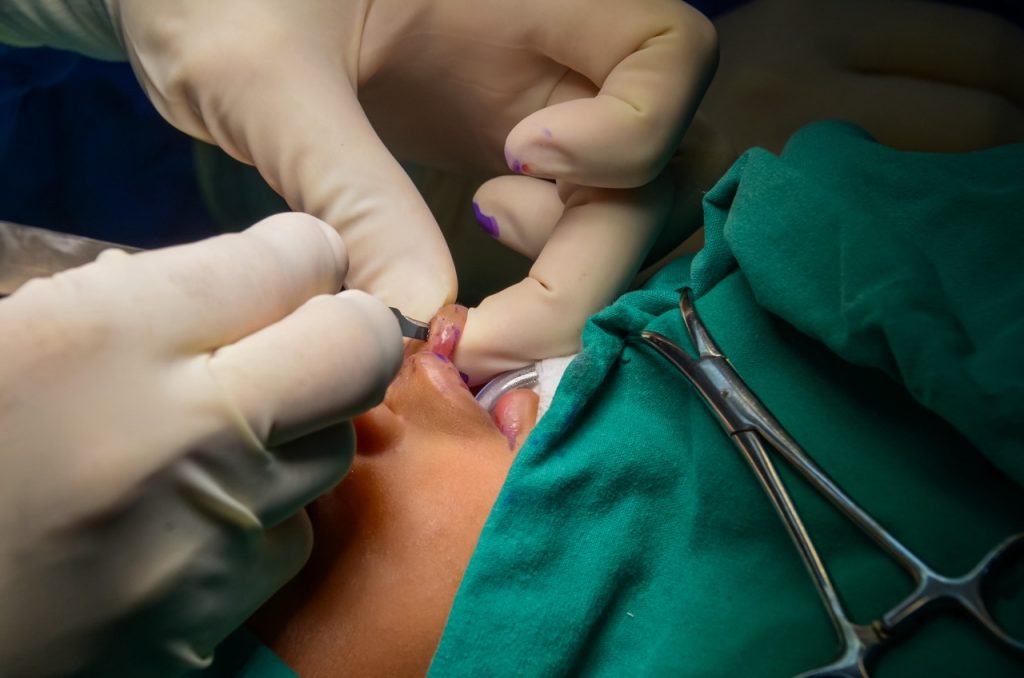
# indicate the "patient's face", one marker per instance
pixel 392 540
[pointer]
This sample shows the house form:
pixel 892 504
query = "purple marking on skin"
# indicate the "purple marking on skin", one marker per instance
pixel 465 377
pixel 546 132
pixel 442 357
pixel 489 224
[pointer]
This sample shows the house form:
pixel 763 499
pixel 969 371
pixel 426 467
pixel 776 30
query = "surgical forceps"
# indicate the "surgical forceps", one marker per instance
pixel 753 429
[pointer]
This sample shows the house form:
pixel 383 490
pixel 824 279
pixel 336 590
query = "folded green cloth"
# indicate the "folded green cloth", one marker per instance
pixel 907 262
pixel 630 537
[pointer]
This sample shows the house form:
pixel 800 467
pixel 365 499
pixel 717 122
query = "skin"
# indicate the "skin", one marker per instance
pixel 393 539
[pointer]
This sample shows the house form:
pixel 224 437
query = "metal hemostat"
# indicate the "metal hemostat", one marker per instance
pixel 754 430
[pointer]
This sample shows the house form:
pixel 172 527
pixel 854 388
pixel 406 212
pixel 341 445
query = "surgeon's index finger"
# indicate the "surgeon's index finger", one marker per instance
pixel 208 294
pixel 298 120
pixel 326 362
pixel 652 61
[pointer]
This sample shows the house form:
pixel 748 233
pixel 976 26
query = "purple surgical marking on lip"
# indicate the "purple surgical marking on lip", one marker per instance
pixel 442 357
pixel 489 224
pixel 465 377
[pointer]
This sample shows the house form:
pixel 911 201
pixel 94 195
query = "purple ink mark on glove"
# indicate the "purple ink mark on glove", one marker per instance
pixel 512 163
pixel 489 224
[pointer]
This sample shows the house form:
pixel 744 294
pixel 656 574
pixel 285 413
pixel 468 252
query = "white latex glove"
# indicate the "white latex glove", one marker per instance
pixel 587 246
pixel 164 417
pixel 590 92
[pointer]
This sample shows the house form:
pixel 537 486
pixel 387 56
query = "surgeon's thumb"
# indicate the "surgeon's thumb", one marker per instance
pixel 303 128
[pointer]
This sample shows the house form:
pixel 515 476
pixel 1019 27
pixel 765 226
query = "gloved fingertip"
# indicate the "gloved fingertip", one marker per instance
pixel 486 221
pixel 381 320
pixel 536 152
pixel 594 141
pixel 512 161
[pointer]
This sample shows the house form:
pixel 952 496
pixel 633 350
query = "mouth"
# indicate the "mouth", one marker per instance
pixel 445 333
pixel 504 404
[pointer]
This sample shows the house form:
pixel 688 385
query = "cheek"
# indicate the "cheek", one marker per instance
pixel 422 508
pixel 378 430
pixel 392 542
pixel 458 477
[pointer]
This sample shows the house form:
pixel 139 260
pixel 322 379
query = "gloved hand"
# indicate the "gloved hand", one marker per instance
pixel 587 246
pixel 164 417
pixel 590 92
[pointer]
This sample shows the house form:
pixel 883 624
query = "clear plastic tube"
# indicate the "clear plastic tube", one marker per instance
pixel 525 377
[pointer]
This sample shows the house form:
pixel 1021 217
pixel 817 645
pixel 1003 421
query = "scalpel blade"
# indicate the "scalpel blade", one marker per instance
pixel 412 329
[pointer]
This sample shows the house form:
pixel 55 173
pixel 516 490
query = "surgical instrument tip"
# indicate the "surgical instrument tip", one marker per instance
pixel 412 329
